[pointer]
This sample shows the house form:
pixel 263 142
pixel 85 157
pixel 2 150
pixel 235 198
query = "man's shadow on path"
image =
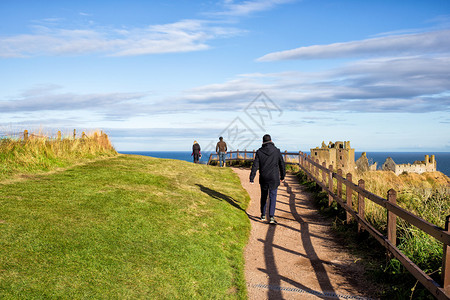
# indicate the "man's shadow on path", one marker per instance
pixel 219 196
pixel 317 264
pixel 327 291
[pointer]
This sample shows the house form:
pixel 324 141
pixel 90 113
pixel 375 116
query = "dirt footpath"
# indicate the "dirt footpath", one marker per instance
pixel 299 258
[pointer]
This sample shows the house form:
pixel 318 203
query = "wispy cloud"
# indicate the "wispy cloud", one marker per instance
pixel 50 98
pixel 244 8
pixel 406 44
pixel 161 132
pixel 51 37
pixel 182 36
pixel 412 84
pixel 408 84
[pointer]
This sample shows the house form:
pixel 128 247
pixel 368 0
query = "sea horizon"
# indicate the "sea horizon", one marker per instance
pixel 400 157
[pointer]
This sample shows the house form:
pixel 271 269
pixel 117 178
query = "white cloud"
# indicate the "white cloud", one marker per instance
pixel 407 44
pixel 243 8
pixel 49 98
pixel 408 84
pixel 49 37
pixel 182 36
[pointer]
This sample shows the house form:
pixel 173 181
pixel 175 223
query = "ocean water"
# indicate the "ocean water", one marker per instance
pixel 442 158
pixel 180 155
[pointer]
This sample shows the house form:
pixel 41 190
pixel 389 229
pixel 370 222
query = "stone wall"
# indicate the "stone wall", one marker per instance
pixel 419 167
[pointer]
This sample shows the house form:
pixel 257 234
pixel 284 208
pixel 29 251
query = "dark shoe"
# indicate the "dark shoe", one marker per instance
pixel 263 217
pixel 272 220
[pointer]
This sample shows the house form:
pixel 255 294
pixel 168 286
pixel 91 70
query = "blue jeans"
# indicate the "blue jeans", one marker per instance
pixel 272 199
pixel 222 158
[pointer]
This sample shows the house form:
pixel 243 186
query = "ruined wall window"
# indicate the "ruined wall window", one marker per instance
pixel 340 157
pixel 315 153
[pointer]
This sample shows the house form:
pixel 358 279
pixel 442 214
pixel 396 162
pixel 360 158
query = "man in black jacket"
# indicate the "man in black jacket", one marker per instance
pixel 271 172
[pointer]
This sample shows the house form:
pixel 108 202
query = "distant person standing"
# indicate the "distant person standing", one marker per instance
pixel 221 149
pixel 196 152
pixel 272 171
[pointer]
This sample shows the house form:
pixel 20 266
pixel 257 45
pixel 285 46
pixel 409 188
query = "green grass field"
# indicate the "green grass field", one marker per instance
pixel 124 227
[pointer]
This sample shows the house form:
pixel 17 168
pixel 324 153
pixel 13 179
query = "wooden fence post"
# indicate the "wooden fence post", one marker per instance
pixel 25 135
pixel 305 162
pixel 339 184
pixel 285 155
pixel 348 195
pixel 324 174
pixel 300 158
pixel 392 218
pixel 75 134
pixel 309 168
pixel 361 205
pixel 446 262
pixel 317 169
pixel 330 185
pixel 245 154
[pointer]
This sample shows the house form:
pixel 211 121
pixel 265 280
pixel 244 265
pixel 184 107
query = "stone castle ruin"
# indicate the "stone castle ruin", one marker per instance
pixel 427 165
pixel 363 165
pixel 341 156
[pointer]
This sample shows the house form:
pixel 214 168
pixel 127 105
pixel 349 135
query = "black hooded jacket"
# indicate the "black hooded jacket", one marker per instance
pixel 270 164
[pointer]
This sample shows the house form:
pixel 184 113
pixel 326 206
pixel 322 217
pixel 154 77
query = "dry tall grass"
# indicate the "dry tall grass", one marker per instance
pixel 422 194
pixel 426 195
pixel 41 153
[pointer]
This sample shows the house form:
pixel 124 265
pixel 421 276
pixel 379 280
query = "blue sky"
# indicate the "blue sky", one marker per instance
pixel 157 75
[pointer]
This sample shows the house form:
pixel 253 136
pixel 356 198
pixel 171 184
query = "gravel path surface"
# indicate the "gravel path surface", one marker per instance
pixel 299 258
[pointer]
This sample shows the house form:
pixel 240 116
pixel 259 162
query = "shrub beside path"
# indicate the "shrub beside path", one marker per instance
pixel 300 258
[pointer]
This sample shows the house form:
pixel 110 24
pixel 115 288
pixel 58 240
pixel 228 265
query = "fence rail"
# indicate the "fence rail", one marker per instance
pixel 25 135
pixel 325 177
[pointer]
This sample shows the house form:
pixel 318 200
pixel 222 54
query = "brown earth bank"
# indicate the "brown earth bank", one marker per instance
pixel 300 257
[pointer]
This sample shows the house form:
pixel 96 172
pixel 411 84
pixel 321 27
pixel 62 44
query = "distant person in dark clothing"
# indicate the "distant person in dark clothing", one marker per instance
pixel 221 149
pixel 196 152
pixel 272 171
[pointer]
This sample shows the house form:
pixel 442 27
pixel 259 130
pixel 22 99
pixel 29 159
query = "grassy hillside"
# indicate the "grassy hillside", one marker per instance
pixel 124 227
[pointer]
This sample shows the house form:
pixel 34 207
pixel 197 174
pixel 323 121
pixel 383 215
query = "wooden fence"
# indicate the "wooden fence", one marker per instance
pixel 25 135
pixel 233 156
pixel 325 177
